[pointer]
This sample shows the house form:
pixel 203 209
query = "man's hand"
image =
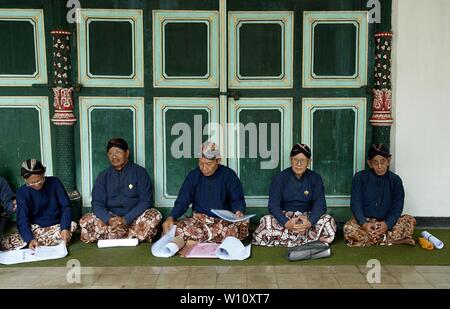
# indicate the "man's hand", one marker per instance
pixel 298 225
pixel 375 230
pixel 122 222
pixel 303 226
pixel 290 224
pixel 117 223
pixel 66 235
pixel 112 222
pixel 33 244
pixel 14 208
pixel 167 225
pixel 381 228
pixel 239 214
pixel 369 228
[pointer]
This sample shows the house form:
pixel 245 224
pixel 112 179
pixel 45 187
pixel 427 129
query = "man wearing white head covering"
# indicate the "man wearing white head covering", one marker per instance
pixel 209 186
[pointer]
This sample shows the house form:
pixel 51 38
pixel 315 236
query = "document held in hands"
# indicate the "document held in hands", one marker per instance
pixel 229 216
pixel 230 249
pixel 28 255
pixel 168 244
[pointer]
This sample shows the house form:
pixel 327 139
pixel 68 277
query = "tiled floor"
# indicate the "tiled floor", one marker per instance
pixel 268 277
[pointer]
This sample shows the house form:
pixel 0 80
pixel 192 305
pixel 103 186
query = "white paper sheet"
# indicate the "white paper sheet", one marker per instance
pixel 438 244
pixel 109 243
pixel 28 255
pixel 168 244
pixel 233 249
pixel 229 216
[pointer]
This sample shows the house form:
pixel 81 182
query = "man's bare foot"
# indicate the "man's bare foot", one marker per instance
pixel 404 241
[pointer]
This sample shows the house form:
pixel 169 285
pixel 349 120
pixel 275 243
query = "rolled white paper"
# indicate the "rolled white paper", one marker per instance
pixel 436 242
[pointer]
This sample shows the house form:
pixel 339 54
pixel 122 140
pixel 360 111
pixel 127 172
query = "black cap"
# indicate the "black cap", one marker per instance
pixel 117 142
pixel 31 167
pixel 378 149
pixel 301 148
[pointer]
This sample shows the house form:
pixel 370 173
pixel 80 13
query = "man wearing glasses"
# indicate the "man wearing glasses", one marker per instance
pixel 121 200
pixel 297 206
pixel 44 216
pixel 377 204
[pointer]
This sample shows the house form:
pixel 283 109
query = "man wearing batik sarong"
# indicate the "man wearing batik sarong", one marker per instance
pixel 44 216
pixel 209 186
pixel 297 206
pixel 377 204
pixel 121 200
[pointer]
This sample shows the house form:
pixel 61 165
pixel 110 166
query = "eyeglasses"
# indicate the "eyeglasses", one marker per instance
pixel 382 162
pixel 299 161
pixel 115 153
pixel 34 184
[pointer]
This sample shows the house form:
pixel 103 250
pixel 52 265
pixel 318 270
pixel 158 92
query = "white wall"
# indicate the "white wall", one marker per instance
pixel 421 87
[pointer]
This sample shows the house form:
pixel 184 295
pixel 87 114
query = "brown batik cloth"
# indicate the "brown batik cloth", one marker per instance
pixel 143 227
pixel 203 228
pixel 272 234
pixel 355 236
pixel 46 236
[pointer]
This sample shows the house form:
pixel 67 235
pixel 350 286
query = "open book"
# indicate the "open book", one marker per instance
pixel 229 216
pixel 27 255
pixel 168 244
pixel 230 249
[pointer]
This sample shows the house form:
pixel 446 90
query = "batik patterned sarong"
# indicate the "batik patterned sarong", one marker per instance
pixel 144 227
pixel 272 234
pixel 203 228
pixel 356 236
pixel 46 236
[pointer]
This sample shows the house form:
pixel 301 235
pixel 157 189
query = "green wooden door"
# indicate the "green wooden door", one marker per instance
pixel 186 90
pixel 148 70
pixel 308 61
pixel 24 110
pixel 108 46
pixel 267 73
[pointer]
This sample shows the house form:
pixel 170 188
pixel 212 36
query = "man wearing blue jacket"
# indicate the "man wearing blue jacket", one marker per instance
pixel 377 204
pixel 44 216
pixel 297 206
pixel 121 200
pixel 209 186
